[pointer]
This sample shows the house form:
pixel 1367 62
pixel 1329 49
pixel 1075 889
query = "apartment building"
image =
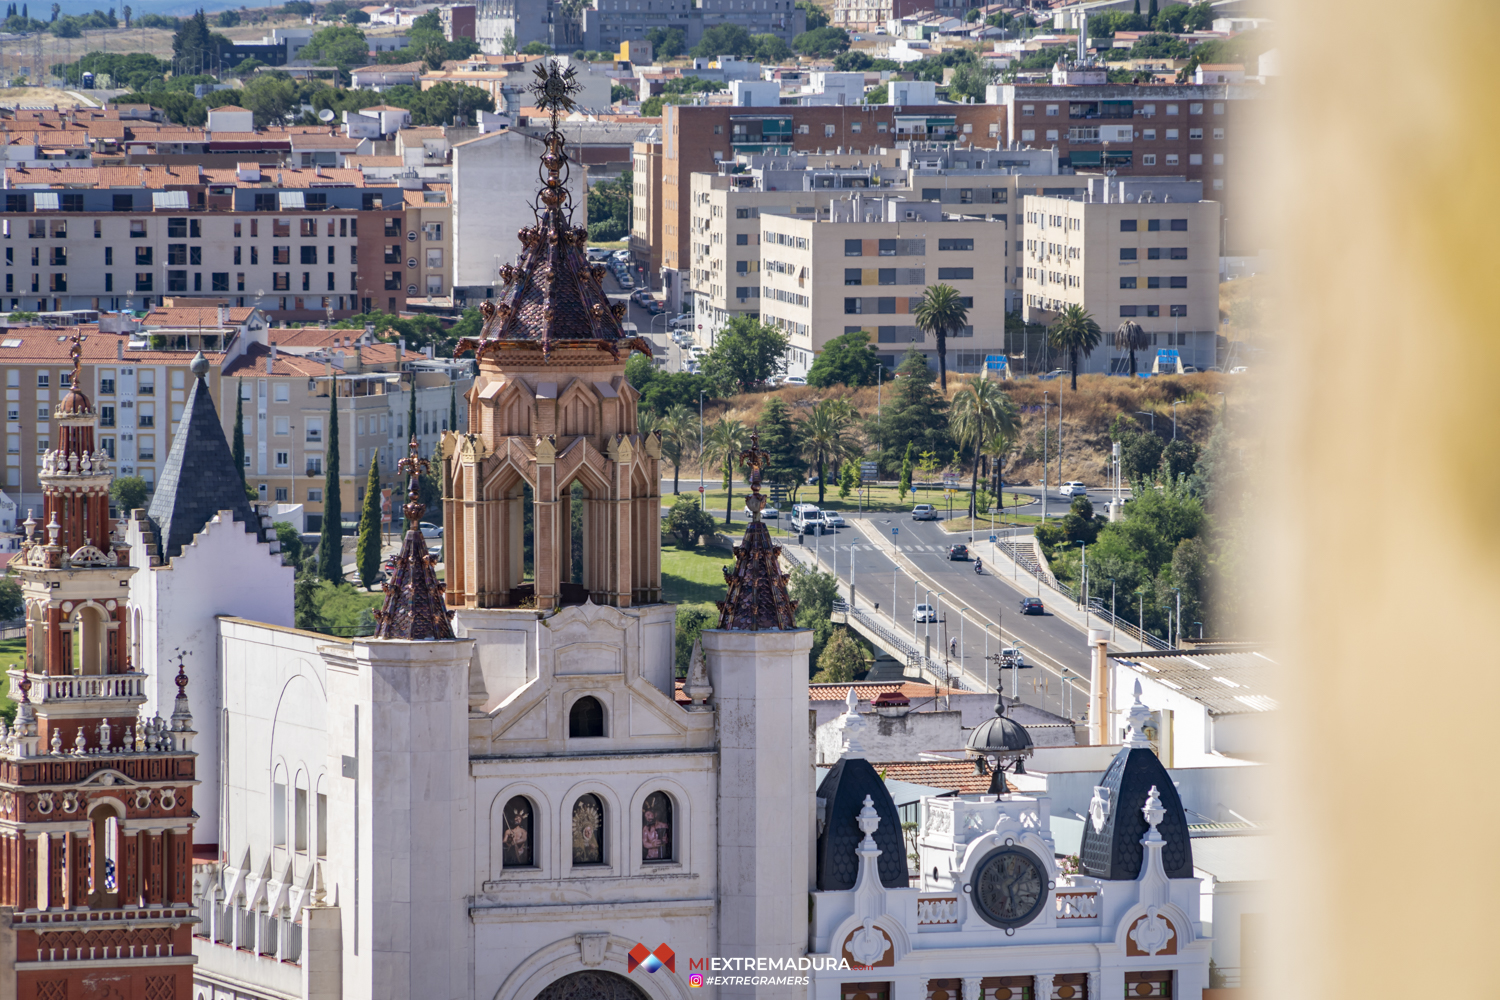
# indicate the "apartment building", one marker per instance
pixel 727 207
pixel 612 23
pixel 1142 250
pixel 1201 132
pixel 285 377
pixel 139 392
pixel 645 214
pixel 696 137
pixel 875 15
pixel 892 248
pixel 300 244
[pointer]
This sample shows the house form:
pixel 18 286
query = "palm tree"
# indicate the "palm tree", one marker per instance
pixel 941 312
pixel 826 439
pixel 1130 337
pixel 981 412
pixel 1075 332
pixel 725 442
pixel 679 439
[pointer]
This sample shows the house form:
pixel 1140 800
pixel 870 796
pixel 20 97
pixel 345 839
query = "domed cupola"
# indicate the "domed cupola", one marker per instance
pixel 841 796
pixel 1001 737
pixel 1114 827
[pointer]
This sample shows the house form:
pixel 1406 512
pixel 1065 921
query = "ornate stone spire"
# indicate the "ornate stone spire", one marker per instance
pixel 413 607
pixel 553 297
pixel 757 595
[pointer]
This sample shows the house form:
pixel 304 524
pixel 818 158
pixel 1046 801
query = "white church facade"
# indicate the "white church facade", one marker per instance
pixel 504 794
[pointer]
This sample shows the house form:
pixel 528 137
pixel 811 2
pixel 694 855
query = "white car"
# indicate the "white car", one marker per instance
pixel 1073 489
pixel 681 322
pixel 430 530
pixel 769 512
pixel 924 613
pixel 831 519
pixel 794 380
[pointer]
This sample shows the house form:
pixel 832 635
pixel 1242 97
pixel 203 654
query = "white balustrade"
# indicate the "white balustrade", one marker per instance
pixel 1077 905
pixel 72 687
pixel 937 911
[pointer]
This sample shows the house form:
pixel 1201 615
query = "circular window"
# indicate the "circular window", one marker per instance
pixel 1009 887
pixel 411 262
pixel 411 237
pixel 411 289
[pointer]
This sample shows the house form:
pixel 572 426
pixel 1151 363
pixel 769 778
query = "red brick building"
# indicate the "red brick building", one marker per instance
pixel 96 806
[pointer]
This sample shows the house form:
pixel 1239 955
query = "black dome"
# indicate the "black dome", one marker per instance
pixel 1115 852
pixel 843 791
pixel 1000 735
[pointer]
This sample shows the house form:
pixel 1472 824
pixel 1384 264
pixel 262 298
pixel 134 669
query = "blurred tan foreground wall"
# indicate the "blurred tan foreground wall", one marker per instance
pixel 1384 502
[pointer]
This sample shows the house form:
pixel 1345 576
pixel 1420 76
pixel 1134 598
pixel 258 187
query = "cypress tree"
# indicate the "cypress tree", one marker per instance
pixel 1151 15
pixel 331 543
pixel 367 548
pixel 453 408
pixel 304 606
pixel 905 486
pixel 239 429
pixel 1137 8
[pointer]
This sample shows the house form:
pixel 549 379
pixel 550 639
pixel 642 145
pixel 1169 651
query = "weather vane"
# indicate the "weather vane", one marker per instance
pixel 76 353
pixel 554 90
pixel 754 459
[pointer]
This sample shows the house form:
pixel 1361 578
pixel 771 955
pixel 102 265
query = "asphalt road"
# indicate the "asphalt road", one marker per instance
pixel 967 602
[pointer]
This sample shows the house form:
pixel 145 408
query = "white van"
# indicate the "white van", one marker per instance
pixel 807 519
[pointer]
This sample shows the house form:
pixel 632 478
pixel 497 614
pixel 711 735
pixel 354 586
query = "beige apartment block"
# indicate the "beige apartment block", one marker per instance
pixel 1150 254
pixel 865 264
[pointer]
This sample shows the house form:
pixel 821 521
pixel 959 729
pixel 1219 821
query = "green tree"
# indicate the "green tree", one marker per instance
pixel 827 438
pixel 971 81
pixel 291 542
pixel 1130 337
pixel 942 311
pixel 904 487
pixel 914 413
pixel 817 17
pixel 270 96
pixel 692 619
pixel 686 521
pixel 536 49
pixel 769 49
pixel 12 603
pixel 367 546
pixel 304 604
pixel 724 40
pixel 1140 455
pixel 981 413
pixel 781 438
pixel 679 440
pixel 129 493
pixel 331 542
pixel 678 389
pixel 453 408
pixel 508 43
pixel 356 16
pixel 746 353
pixel 841 661
pixel 228 19
pixel 726 440
pixel 877 95
pixel 1075 332
pixel 848 359
pixel 338 45
pixel 1179 458
pixel 814 591
pixel 666 43
pixel 823 43
pixel 848 478
pixel 239 428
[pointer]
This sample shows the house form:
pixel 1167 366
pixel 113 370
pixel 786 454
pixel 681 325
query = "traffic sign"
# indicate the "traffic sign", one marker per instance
pixel 895 532
pixel 869 472
pixel 992 539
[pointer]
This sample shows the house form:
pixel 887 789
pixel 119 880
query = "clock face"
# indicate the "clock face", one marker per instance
pixel 1010 887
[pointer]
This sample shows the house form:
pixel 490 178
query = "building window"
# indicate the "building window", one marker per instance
pixel 1148 159
pixel 1028 135
pixel 314 465
pixel 309 255
pixel 314 496
pixel 516 841
pixel 432 232
pixel 1127 282
pixel 281 493
pixel 1173 159
pixel 283 459
pixel 1179 310
pixel 1127 253
pixel 586 718
pixel 588 831
pixel 656 827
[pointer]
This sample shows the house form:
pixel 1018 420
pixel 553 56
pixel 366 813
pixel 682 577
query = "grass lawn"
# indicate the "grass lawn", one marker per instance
pixel 693 575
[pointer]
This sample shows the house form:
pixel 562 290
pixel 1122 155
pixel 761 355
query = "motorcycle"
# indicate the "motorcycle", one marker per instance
pixel 978 568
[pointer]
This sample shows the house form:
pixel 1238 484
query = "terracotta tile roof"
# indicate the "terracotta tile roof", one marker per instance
pixel 253 361
pixel 955 774
pixel 358 162
pixel 48 345
pixel 869 692
pixel 195 316
pixel 228 107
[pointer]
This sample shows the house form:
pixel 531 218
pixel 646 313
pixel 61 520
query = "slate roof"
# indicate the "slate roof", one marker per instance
pixel 199 479
pixel 843 791
pixel 1115 851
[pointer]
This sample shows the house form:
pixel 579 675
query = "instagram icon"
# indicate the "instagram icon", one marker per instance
pixel 696 979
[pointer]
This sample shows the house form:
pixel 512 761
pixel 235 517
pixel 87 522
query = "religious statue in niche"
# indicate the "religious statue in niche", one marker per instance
pixel 588 831
pixel 656 828
pixel 515 851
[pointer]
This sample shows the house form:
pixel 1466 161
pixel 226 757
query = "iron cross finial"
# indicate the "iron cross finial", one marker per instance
pixel 413 464
pixel 754 459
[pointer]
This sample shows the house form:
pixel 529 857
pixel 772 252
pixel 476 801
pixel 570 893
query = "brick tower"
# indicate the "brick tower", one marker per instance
pixel 96 806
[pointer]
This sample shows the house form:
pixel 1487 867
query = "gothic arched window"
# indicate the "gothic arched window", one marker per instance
pixel 516 850
pixel 656 827
pixel 586 718
pixel 588 831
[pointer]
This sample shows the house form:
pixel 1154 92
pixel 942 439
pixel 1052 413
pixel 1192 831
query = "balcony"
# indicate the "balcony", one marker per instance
pixel 47 688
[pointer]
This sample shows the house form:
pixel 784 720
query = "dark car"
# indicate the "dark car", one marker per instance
pixel 1032 606
pixel 958 552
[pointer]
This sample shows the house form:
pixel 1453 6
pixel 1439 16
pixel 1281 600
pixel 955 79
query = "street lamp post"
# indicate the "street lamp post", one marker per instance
pixel 1045 403
pixel 1175 403
pixel 1177 635
pixel 1148 413
pixel 961 640
pixel 702 496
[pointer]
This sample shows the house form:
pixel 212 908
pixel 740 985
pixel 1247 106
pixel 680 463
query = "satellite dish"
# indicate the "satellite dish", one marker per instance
pixel 326 115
